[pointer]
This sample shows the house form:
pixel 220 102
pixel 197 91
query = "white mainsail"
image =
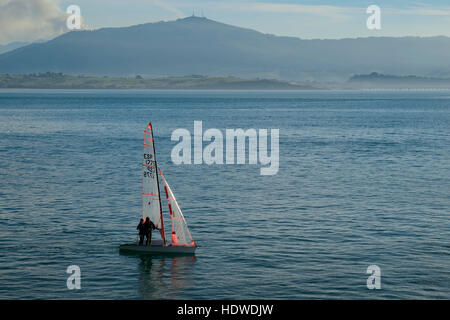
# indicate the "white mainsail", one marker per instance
pixel 182 242
pixel 151 200
pixel 181 235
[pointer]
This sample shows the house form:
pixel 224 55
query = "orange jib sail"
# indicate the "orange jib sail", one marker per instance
pixel 181 235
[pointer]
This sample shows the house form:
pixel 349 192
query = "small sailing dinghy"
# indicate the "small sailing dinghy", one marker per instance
pixel 182 241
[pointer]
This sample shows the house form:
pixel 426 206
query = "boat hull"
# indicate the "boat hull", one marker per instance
pixel 157 247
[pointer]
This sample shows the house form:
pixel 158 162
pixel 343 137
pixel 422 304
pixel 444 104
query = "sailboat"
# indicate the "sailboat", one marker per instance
pixel 181 241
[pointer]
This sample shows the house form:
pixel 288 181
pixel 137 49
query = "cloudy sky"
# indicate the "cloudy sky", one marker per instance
pixel 29 20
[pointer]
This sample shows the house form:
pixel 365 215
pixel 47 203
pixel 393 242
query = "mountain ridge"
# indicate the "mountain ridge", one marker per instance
pixel 197 45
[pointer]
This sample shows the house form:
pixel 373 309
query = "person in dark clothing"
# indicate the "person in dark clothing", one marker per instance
pixel 140 227
pixel 148 228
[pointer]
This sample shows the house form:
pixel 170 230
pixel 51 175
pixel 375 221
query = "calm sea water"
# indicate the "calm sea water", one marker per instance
pixel 364 179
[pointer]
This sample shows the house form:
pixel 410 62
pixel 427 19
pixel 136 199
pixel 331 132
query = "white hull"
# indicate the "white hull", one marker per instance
pixel 157 247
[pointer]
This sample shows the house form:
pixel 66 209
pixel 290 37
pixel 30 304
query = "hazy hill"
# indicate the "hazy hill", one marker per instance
pixel 377 80
pixel 201 46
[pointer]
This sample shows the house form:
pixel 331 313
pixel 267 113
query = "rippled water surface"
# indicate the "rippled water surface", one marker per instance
pixel 364 179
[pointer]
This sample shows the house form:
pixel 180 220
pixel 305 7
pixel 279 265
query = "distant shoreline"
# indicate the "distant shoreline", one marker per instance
pixel 375 81
pixel 51 80
pixel 364 82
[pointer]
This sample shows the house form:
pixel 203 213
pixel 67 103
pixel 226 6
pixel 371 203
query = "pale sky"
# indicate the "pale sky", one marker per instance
pixel 28 20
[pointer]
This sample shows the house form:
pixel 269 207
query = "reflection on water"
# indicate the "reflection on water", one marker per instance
pixel 160 275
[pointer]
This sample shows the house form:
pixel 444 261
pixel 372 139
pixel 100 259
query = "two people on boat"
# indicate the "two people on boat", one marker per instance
pixel 145 230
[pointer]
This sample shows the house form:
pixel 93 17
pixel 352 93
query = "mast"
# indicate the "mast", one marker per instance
pixel 163 235
pixel 170 207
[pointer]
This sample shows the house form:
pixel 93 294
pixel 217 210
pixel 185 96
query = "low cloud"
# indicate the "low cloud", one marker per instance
pixel 422 11
pixel 168 7
pixel 30 20
pixel 321 10
pixel 272 7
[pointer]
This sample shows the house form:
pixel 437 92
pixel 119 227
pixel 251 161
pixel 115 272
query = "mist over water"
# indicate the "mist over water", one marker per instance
pixel 364 179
